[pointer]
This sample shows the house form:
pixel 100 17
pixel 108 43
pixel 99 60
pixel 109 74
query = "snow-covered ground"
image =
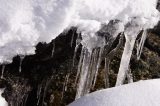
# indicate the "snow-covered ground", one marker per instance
pixel 142 93
pixel 2 100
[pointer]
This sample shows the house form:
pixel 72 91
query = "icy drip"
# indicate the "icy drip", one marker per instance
pixel 73 34
pixel 98 65
pixel 89 62
pixel 125 60
pixel 25 100
pixel 80 65
pixel 66 81
pixel 3 69
pixel 45 89
pixel 78 41
pixel 108 58
pixel 65 85
pixel 42 89
pixel 52 98
pixel 53 48
pixel 106 75
pixel 87 69
pixel 20 63
pixel 39 93
pixel 141 44
pixel 129 76
pixel 92 70
pixel 83 74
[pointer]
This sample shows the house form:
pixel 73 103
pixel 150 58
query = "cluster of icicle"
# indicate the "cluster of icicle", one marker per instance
pixel 90 60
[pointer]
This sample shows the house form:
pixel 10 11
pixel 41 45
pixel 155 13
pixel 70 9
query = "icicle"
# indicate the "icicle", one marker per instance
pixel 75 52
pixel 3 69
pixel 87 69
pixel 141 44
pixel 63 91
pixel 39 93
pixel 78 41
pixel 53 48
pixel 108 57
pixel 20 63
pixel 25 100
pixel 73 34
pixel 90 76
pixel 52 99
pixel 65 85
pixel 45 88
pixel 125 59
pixel 79 65
pixel 98 65
pixel 74 56
pixel 84 72
pixel 106 75
pixel 67 79
pixel 129 76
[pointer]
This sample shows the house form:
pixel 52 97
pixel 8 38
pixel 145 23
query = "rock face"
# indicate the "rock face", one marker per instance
pixel 47 80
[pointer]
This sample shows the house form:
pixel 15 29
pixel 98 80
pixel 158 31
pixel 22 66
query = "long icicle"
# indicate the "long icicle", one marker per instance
pixel 90 76
pixel 73 34
pixel 65 85
pixel 93 70
pixel 20 63
pixel 53 48
pixel 78 41
pixel 98 65
pixel 141 44
pixel 3 69
pixel 84 72
pixel 39 93
pixel 106 74
pixel 108 58
pixel 79 65
pixel 126 56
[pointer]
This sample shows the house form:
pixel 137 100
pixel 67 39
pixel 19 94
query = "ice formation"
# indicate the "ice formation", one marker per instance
pixel 130 18
pixel 134 94
pixel 3 69
pixel 24 23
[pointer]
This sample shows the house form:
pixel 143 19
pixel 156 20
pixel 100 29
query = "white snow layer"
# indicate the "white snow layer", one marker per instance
pixel 142 93
pixel 2 100
pixel 24 23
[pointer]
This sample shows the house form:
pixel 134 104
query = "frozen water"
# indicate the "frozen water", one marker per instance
pixel 53 48
pixel 20 63
pixel 141 44
pixel 3 69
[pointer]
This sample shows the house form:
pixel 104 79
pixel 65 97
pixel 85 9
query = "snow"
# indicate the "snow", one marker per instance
pixel 142 93
pixel 2 100
pixel 24 23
